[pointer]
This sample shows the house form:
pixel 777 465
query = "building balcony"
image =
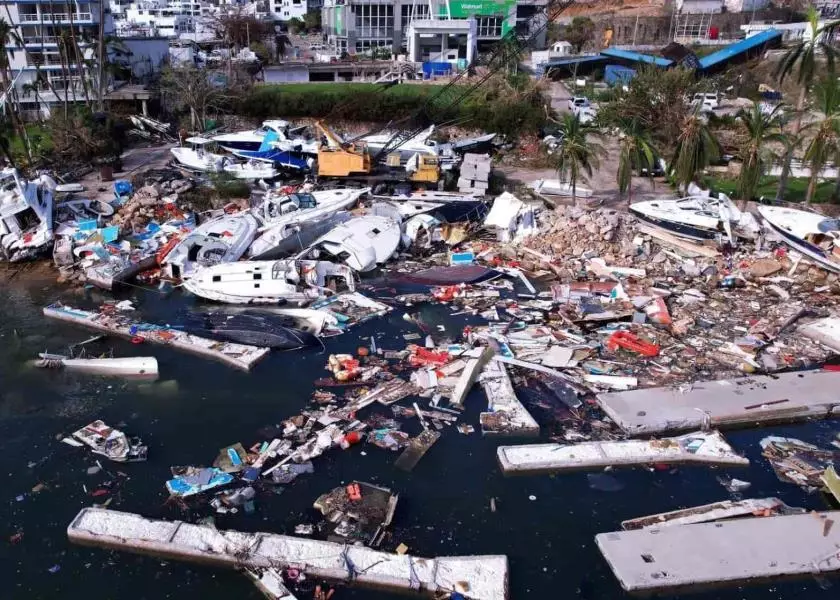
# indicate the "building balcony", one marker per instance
pixel 54 17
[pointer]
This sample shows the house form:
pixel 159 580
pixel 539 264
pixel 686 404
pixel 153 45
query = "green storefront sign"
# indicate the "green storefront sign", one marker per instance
pixel 339 20
pixel 463 9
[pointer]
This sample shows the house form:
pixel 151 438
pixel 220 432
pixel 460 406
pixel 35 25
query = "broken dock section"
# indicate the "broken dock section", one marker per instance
pixel 700 448
pixel 742 402
pixel 476 577
pixel 240 356
pixel 660 559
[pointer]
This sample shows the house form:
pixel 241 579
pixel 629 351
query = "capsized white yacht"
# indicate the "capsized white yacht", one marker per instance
pixel 360 243
pixel 223 239
pixel 294 282
pixel 280 214
pixel 695 217
pixel 26 219
pixel 197 155
pixel 814 235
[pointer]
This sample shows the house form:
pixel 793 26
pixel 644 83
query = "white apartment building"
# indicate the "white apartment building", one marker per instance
pixel 159 19
pixel 40 75
pixel 283 10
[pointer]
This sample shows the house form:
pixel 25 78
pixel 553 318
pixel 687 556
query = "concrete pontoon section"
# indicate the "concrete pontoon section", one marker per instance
pixel 240 356
pixel 505 414
pixel 742 402
pixel 701 448
pixel 476 577
pixel 659 559
pixel 726 509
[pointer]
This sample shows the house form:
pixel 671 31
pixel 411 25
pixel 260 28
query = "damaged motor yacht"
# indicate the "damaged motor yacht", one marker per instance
pixel 26 219
pixel 277 131
pixel 223 239
pixel 281 215
pixel 814 235
pixel 360 243
pixel 697 217
pixel 197 156
pixel 269 282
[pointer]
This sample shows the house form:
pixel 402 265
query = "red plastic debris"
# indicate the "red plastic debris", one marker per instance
pixel 423 357
pixel 16 538
pixel 353 438
pixel 353 492
pixel 97 493
pixel 628 341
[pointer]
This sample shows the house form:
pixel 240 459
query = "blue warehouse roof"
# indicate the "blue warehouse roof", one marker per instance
pixel 636 57
pixel 738 48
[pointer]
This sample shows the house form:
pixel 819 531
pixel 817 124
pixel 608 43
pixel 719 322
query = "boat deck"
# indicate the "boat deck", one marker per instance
pixel 239 356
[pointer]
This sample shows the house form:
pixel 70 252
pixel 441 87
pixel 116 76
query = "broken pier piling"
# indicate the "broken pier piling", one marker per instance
pixel 476 577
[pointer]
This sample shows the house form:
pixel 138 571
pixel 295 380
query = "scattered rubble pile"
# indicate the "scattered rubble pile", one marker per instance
pixel 152 201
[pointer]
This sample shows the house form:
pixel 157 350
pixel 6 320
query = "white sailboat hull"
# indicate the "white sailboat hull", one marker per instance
pixel 224 239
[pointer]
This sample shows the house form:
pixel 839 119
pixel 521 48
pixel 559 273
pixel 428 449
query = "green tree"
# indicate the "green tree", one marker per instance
pixel 295 25
pixel 312 20
pixel 803 59
pixel 824 133
pixel 578 155
pixel 760 130
pixel 635 152
pixel 261 51
pixel 696 148
pixel 579 32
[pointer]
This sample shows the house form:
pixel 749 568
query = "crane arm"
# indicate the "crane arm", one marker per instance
pixel 506 51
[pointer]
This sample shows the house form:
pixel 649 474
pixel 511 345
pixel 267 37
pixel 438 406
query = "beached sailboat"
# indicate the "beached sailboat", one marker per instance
pixel 198 156
pixel 814 235
pixel 280 215
pixel 223 239
pixel 26 215
pixel 269 282
pixel 360 243
pixel 694 217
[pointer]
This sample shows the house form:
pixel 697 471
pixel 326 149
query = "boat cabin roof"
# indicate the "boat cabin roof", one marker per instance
pixel 199 141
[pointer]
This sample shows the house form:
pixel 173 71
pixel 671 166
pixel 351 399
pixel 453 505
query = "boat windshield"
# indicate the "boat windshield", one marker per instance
pixel 829 226
pixel 304 200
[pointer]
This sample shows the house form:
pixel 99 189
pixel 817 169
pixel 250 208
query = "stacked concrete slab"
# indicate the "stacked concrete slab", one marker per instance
pixel 475 174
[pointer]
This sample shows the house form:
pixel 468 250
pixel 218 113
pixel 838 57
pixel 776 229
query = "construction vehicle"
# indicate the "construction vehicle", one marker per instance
pixel 354 160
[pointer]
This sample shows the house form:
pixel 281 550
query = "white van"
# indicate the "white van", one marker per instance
pixel 707 101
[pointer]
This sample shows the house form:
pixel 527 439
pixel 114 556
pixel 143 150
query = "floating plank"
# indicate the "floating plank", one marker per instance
pixel 741 402
pixel 235 355
pixel 659 559
pixel 505 414
pixel 417 447
pixel 477 358
pixel 703 448
pixel 477 577
pixel 716 511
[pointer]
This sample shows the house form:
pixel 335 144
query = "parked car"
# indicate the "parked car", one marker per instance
pixel 578 102
pixel 707 101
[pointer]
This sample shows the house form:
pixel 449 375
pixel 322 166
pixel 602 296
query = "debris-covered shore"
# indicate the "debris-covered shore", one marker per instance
pixel 561 310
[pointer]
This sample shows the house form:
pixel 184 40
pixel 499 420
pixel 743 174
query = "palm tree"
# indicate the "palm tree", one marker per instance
pixel 824 132
pixel 802 58
pixel 577 155
pixel 761 129
pixel 696 148
pixel 635 152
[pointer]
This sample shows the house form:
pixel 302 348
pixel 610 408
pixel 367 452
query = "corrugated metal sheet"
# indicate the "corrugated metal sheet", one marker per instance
pixel 636 57
pixel 742 47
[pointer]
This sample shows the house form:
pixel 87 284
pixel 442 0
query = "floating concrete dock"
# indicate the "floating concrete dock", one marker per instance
pixel 701 448
pixel 505 414
pixel 742 402
pixel 659 559
pixel 727 509
pixel 240 356
pixel 476 577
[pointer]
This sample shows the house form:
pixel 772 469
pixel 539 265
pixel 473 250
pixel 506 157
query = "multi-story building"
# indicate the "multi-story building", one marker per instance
pixel 358 26
pixel 284 10
pixel 42 74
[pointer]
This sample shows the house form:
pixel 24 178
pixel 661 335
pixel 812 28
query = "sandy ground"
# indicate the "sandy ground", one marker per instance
pixel 603 181
pixel 134 160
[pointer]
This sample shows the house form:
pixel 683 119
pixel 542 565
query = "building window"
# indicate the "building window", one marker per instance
pixel 375 20
pixel 363 46
pixel 419 12
pixel 489 26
